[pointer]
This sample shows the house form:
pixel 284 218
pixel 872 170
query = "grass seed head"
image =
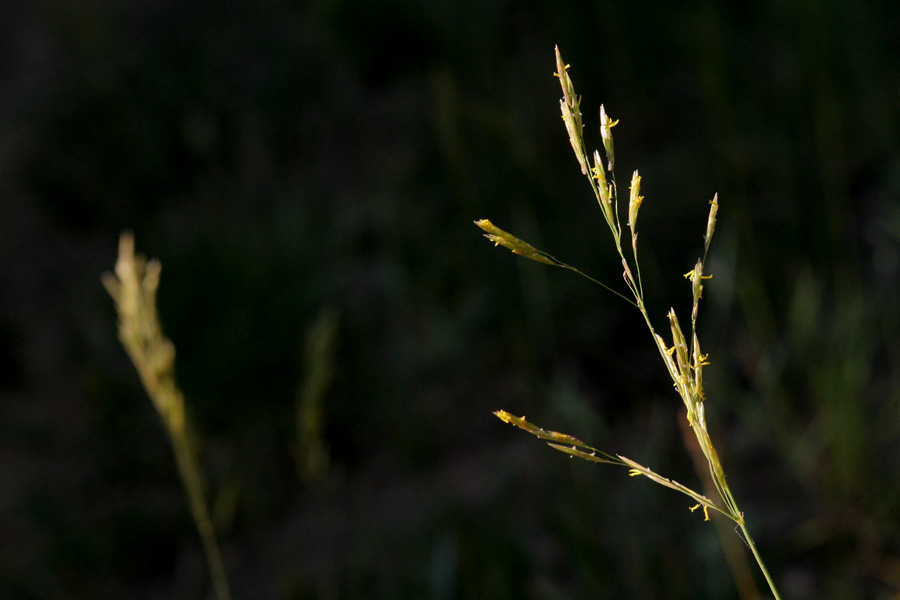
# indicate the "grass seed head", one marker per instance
pixel 512 243
pixel 711 222
pixel 634 201
pixel 606 125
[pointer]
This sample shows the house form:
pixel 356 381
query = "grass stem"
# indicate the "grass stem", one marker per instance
pixel 133 288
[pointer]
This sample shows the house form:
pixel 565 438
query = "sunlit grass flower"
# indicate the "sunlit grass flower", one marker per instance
pixel 683 359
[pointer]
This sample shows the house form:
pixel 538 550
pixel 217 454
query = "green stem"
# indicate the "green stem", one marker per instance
pixel 759 561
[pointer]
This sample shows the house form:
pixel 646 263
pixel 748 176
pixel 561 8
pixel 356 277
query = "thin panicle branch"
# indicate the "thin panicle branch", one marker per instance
pixel 523 248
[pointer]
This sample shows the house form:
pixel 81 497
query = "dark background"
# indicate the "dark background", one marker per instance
pixel 287 161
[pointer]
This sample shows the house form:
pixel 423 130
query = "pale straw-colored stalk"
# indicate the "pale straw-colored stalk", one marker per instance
pixel 683 359
pixel 133 288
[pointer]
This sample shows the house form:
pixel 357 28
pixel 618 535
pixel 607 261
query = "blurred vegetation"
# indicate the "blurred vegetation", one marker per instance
pixel 285 159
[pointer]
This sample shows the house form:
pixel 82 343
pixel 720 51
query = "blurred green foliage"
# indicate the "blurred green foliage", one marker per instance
pixel 282 157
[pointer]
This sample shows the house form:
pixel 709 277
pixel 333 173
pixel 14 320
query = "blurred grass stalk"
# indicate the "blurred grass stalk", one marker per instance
pixel 310 450
pixel 133 288
pixel 683 360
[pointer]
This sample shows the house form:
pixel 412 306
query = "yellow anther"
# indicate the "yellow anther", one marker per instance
pixel 705 510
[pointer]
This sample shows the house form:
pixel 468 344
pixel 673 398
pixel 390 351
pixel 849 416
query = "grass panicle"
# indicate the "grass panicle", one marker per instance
pixel 683 360
pixel 133 288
